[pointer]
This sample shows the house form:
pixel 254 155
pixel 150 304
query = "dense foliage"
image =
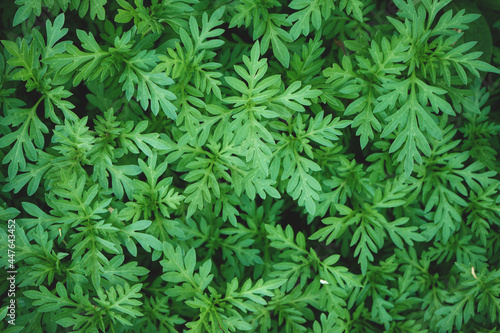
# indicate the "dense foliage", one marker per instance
pixel 250 165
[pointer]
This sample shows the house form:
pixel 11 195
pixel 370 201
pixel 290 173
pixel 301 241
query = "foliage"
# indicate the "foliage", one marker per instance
pixel 250 165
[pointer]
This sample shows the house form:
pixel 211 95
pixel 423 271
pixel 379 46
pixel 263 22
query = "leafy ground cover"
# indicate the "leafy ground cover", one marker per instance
pixel 250 165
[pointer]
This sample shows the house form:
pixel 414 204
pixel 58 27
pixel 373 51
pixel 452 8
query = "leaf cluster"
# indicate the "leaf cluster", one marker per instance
pixel 250 165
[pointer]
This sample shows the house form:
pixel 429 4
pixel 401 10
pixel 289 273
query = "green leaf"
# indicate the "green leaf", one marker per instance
pixel 150 87
pixel 121 301
pixel 96 8
pixel 260 288
pixel 29 134
pixel 277 37
pixel 335 226
pixel 27 7
pixel 8 213
pixel 120 180
pixel 3 312
pixel 130 233
pixel 398 234
pixel 179 267
pixel 133 139
pixel 308 12
pixel 50 302
pixel 454 314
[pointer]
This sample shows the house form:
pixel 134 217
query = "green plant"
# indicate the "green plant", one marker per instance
pixel 250 165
